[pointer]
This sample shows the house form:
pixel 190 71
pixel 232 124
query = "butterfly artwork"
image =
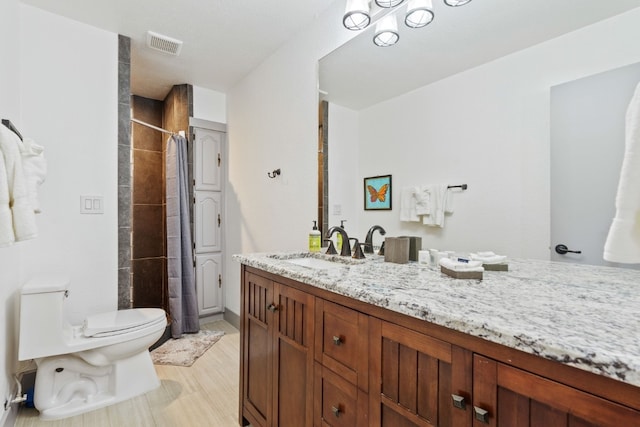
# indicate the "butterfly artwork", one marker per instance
pixel 377 193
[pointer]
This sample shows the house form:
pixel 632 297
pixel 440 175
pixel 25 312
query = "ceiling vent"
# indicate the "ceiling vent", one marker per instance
pixel 163 43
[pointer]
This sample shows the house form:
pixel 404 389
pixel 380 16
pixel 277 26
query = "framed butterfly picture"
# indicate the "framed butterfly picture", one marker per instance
pixel 377 193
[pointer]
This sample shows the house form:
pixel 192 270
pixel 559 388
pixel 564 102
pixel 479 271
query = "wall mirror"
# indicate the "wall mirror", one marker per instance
pixel 360 74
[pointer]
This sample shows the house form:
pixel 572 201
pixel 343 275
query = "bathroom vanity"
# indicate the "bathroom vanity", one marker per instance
pixel 332 341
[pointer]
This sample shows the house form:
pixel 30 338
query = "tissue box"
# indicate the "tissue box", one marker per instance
pixel 396 249
pixel 462 274
pixel 496 267
pixel 415 245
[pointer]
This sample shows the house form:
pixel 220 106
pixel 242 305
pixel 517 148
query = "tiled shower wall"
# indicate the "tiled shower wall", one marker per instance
pixel 148 261
pixel 124 172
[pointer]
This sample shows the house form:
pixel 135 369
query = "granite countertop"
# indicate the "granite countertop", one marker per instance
pixel 584 316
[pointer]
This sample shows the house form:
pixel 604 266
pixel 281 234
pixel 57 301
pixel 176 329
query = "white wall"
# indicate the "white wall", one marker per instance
pixel 209 105
pixel 9 256
pixel 69 96
pixel 273 123
pixel 58 80
pixel 489 128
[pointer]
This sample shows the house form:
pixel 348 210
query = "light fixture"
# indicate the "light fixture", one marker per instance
pixel 419 13
pixel 455 3
pixel 388 3
pixel 356 15
pixel 386 32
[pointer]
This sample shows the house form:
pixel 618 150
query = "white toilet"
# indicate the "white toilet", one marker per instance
pixel 81 368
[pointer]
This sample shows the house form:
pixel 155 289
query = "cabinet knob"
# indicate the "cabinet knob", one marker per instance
pixel 336 411
pixel 337 340
pixel 272 308
pixel 481 415
pixel 458 401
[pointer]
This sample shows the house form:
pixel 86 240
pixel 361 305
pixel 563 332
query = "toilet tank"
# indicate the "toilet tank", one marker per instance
pixel 41 316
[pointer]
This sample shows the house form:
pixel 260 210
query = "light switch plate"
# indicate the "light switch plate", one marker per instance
pixel 91 204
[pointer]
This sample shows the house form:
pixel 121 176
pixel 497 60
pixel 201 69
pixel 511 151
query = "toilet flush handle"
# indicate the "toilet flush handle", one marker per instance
pixel 66 293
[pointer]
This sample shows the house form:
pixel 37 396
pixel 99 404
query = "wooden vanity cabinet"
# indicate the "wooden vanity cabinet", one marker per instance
pixel 308 361
pixel 277 354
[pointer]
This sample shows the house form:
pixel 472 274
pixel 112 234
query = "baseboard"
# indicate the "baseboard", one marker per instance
pixel 232 318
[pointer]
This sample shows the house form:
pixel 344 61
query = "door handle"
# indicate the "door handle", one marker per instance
pixel 562 249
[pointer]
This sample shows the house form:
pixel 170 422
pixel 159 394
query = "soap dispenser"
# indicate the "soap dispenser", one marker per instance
pixel 339 236
pixel 315 238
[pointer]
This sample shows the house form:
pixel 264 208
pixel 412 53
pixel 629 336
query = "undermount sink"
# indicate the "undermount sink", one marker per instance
pixel 317 261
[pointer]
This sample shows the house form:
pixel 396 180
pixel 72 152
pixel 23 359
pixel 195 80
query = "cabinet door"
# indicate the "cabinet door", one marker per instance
pixel 209 283
pixel 338 402
pixel 208 207
pixel 507 396
pixel 417 380
pixel 257 344
pixel 207 160
pixel 293 358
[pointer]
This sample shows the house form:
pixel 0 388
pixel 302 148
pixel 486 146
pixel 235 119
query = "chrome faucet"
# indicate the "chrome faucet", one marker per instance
pixel 368 241
pixel 346 247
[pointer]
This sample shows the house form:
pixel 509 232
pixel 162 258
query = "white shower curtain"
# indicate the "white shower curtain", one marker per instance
pixel 183 306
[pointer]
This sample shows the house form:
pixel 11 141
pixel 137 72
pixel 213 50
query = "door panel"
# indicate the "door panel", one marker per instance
pixel 587 147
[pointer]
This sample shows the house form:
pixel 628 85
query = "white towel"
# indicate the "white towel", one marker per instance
pixel 623 242
pixel 461 266
pixel 35 169
pixel 423 200
pixel 7 237
pixel 408 205
pixel 22 215
pixel 440 202
pixel 488 257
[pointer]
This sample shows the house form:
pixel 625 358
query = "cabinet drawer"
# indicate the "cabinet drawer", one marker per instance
pixel 342 345
pixel 338 403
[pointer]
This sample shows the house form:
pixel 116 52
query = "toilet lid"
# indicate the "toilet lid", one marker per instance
pixel 121 321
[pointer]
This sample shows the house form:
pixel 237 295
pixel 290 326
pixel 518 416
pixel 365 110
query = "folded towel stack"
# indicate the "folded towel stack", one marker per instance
pixel 454 265
pixel 488 257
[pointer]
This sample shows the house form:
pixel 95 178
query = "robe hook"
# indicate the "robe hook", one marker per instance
pixel 273 174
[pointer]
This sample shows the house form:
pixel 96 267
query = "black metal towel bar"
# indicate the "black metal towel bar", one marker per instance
pixel 10 125
pixel 463 186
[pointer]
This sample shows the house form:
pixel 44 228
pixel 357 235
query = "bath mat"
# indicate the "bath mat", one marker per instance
pixel 186 350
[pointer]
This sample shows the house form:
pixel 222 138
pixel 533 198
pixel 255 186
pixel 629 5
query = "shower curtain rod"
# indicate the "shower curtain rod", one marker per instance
pixel 140 122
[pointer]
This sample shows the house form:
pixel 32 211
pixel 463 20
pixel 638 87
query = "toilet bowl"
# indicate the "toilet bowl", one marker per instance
pixel 83 367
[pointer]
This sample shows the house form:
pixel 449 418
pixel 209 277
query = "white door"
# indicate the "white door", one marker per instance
pixel 208 221
pixel 587 146
pixel 209 283
pixel 207 159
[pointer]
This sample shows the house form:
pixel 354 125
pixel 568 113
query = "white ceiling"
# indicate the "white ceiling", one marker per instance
pixel 223 39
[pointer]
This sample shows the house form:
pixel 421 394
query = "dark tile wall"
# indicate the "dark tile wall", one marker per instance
pixel 124 172
pixel 148 261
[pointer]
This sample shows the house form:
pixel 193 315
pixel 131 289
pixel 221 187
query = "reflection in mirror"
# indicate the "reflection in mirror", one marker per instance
pixel 468 100
pixel 360 74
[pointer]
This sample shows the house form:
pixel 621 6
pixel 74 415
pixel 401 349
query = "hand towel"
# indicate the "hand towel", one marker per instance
pixel 35 169
pixel 6 219
pixel 488 259
pixel 23 217
pixel 438 205
pixel 408 205
pixel 423 200
pixel 461 266
pixel 623 241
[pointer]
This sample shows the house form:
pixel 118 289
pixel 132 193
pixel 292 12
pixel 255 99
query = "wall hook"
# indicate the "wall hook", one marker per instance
pixel 273 174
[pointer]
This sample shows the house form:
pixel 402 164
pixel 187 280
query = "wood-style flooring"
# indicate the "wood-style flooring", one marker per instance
pixel 205 394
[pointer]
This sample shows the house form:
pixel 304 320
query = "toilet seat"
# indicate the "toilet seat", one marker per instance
pixel 121 321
